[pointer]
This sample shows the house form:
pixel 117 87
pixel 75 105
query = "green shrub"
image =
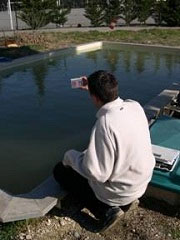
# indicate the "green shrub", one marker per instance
pixel 129 11
pixel 94 11
pixel 58 15
pixel 171 12
pixel 144 10
pixel 112 11
pixel 158 6
pixel 35 13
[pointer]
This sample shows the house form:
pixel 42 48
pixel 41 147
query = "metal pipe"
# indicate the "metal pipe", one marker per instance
pixel 10 14
pixel 17 26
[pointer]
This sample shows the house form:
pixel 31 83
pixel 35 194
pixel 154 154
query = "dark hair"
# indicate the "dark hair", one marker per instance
pixel 103 85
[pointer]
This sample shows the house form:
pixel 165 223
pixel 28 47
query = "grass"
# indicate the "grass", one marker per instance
pixel 9 231
pixel 31 43
pixel 155 36
pixel 175 233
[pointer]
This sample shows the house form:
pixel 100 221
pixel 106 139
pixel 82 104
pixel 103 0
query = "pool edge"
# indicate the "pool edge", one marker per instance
pixel 77 49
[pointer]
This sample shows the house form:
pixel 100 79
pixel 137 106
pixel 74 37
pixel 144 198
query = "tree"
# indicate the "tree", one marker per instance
pixel 112 10
pixel 94 11
pixel 58 15
pixel 144 10
pixel 158 7
pixel 129 11
pixel 73 3
pixel 171 12
pixel 35 13
pixel 3 5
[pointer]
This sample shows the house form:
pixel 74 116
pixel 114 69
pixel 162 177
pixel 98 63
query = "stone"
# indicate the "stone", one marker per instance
pixel 21 237
pixel 48 222
pixel 62 222
pixel 76 235
pixel 28 237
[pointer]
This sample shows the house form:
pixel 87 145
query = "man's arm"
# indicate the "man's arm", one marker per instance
pixel 98 160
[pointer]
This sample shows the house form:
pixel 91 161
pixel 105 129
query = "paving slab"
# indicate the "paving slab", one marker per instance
pixel 34 204
pixel 5 199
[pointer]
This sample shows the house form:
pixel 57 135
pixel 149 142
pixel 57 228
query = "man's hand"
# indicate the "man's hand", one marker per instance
pixel 85 83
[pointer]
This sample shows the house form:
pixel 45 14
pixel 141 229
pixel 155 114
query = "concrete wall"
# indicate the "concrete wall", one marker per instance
pixel 76 16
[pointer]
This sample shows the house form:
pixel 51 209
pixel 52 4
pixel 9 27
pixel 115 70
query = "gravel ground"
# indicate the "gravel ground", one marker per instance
pixel 152 220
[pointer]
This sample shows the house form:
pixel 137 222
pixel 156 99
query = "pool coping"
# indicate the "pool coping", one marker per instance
pixel 52 53
pixel 85 48
pixel 144 45
pixel 46 195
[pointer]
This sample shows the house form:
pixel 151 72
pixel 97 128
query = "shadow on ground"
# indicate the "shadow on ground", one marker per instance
pixel 86 216
pixel 152 220
pixel 76 210
pixel 160 207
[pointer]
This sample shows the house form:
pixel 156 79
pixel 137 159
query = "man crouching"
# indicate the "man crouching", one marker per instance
pixel 117 166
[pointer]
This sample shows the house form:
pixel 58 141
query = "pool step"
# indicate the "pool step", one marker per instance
pixel 34 204
pixel 157 104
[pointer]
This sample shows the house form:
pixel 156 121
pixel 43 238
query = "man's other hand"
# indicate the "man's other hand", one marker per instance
pixel 85 83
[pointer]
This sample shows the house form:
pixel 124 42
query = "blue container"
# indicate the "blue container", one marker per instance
pixel 166 132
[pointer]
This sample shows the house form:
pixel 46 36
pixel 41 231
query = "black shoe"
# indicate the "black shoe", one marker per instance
pixel 111 217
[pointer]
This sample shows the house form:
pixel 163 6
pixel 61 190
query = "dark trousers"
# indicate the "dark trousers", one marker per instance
pixel 79 187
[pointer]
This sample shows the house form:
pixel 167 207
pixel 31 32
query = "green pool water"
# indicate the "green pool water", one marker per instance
pixel 41 116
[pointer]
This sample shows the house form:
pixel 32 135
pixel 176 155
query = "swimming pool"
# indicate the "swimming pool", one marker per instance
pixel 41 116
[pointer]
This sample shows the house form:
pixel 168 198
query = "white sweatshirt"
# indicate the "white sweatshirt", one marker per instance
pixel 118 162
